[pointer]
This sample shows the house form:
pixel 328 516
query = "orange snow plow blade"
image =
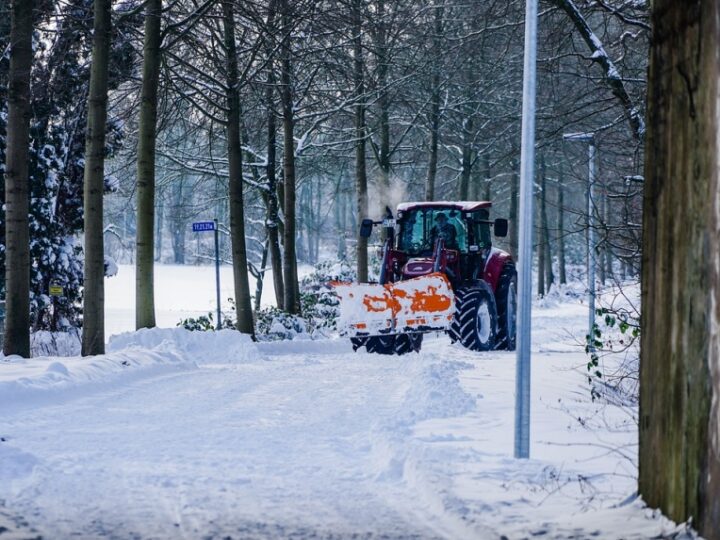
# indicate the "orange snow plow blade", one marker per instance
pixel 421 304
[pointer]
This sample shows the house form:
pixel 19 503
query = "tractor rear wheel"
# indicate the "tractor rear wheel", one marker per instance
pixel 506 300
pixel 395 344
pixel 475 322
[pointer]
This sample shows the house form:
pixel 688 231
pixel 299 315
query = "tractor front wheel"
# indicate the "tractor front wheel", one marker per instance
pixel 394 344
pixel 475 322
pixel 506 299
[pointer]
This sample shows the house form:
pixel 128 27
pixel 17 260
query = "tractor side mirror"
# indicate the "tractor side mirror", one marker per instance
pixel 366 228
pixel 501 227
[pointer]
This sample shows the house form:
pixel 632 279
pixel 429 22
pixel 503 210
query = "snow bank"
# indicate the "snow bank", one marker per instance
pixel 45 343
pixel 130 356
pixel 221 347
pixel 40 381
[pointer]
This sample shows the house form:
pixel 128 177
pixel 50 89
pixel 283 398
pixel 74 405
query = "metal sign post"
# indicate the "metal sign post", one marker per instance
pixel 525 251
pixel 217 276
pixel 591 245
pixel 56 291
pixel 207 226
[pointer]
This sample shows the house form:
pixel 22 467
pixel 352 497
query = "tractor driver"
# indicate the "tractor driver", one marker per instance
pixel 445 230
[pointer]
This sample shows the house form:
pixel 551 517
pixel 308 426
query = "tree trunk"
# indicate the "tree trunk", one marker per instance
pixel 540 243
pixel 549 274
pixel 340 219
pixel 17 183
pixel 361 190
pixel 144 280
pixel 540 230
pixel 384 110
pixel 602 245
pixel 680 347
pixel 607 211
pixel 545 227
pixel 93 336
pixel 487 182
pixel 467 161
pixel 235 179
pixel 514 224
pixel 220 213
pixel 435 103
pixel 273 219
pixel 272 222
pixel 261 277
pixel 561 225
pixel 159 226
pixel 291 293
pixel 178 221
pixel 317 225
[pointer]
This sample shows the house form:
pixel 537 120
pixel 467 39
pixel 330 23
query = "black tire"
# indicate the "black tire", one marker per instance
pixel 506 301
pixel 396 344
pixel 380 344
pixel 475 322
pixel 405 343
pixel 358 342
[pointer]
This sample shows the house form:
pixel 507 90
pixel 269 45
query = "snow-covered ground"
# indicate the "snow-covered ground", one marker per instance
pixel 207 435
pixel 181 291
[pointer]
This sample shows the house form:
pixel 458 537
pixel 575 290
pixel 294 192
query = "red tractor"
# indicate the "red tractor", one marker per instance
pixel 439 272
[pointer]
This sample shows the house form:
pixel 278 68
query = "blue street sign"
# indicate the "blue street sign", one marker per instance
pixel 202 226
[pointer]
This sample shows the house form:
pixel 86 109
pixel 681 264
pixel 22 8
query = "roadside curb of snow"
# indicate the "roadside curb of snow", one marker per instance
pixel 131 356
pixel 218 347
pixel 77 376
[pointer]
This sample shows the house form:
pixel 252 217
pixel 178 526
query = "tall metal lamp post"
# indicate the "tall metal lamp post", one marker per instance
pixel 525 252
pixel 592 156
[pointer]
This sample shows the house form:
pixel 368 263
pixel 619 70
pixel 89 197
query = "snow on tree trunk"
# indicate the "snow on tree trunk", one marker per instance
pixel 680 349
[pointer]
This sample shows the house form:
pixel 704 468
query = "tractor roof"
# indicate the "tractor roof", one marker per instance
pixel 463 206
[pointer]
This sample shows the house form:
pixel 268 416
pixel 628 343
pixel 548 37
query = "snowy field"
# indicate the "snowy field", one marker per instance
pixel 181 291
pixel 207 435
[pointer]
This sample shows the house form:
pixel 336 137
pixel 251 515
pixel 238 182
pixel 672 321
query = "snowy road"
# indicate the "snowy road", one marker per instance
pixel 308 440
pixel 215 450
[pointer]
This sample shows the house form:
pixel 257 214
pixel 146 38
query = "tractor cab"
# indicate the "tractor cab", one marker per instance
pixel 449 237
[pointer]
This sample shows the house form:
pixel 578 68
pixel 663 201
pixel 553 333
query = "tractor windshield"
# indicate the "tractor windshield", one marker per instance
pixel 420 228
